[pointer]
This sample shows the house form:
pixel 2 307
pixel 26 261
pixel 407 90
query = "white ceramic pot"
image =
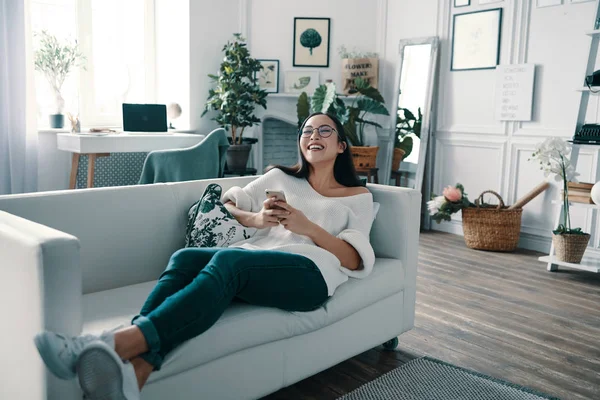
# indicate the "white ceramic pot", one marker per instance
pixel 596 193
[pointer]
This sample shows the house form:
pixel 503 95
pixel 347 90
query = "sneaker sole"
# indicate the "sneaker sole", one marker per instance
pixel 100 373
pixel 55 366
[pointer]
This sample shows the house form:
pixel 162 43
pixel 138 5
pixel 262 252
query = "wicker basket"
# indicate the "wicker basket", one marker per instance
pixel 570 247
pixel 398 156
pixel 364 156
pixel 491 228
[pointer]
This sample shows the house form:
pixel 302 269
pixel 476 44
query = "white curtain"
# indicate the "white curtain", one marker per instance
pixel 18 130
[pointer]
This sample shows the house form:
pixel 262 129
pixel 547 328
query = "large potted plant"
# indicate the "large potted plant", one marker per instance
pixel 553 156
pixel 368 100
pixel 407 127
pixel 234 97
pixel 56 60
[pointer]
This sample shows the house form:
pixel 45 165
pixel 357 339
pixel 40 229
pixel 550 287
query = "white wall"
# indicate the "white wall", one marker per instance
pixel 212 23
pixel 272 30
pixel 473 148
pixel 172 26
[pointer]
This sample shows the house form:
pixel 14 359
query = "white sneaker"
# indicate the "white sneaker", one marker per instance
pixel 60 352
pixel 104 376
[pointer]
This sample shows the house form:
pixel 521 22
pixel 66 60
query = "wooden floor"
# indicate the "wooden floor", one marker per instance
pixel 499 314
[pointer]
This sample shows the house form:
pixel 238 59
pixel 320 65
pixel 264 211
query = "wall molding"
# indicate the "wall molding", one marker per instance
pixel 442 143
pixel 245 18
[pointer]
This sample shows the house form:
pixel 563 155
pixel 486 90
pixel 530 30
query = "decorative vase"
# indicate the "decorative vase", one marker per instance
pixel 398 156
pixel 570 247
pixel 364 157
pixel 57 121
pixel 595 194
pixel 237 156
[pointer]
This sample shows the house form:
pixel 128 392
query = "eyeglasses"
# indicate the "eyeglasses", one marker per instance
pixel 324 131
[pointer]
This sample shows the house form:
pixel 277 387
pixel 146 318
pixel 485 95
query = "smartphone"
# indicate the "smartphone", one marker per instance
pixel 278 194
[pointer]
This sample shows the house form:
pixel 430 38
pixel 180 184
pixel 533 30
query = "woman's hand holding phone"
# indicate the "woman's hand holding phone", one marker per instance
pixel 269 215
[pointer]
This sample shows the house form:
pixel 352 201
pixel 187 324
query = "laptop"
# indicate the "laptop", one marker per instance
pixel 145 118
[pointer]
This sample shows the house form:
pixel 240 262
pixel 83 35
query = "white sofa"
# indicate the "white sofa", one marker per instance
pixel 85 260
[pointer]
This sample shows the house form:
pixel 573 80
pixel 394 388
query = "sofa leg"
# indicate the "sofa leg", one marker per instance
pixel 391 344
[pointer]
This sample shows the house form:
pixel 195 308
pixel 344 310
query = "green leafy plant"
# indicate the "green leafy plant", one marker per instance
pixel 407 126
pixel 56 59
pixel 310 39
pixel 237 91
pixel 353 117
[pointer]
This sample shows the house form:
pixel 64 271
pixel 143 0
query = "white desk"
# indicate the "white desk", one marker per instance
pixel 102 146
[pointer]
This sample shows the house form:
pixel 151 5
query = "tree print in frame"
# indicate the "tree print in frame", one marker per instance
pixel 311 42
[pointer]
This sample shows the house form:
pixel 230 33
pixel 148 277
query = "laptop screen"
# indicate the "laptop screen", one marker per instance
pixel 144 117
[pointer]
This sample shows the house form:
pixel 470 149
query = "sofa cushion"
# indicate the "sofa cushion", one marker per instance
pixel 243 325
pixel 210 224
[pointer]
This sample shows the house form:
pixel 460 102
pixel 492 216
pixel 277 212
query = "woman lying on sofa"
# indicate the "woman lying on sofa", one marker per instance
pixel 305 247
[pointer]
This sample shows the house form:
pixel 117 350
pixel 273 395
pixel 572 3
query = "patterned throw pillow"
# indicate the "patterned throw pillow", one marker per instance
pixel 210 224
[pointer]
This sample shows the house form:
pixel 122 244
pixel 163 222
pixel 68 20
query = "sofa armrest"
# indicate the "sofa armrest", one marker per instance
pixel 395 232
pixel 40 289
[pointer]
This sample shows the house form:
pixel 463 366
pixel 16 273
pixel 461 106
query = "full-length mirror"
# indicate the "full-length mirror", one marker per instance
pixel 415 82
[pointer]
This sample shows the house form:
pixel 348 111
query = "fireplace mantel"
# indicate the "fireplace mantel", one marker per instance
pixel 282 106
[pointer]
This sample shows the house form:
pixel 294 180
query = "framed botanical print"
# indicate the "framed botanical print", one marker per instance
pixel 476 40
pixel 268 76
pixel 311 42
pixel 301 81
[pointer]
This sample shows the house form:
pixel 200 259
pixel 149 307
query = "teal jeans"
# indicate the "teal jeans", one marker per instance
pixel 200 283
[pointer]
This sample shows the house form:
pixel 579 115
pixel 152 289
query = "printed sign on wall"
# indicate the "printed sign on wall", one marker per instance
pixel 514 92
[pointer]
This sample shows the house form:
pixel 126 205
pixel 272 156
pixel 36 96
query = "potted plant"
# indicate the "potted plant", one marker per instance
pixel 56 60
pixel 407 127
pixel 234 97
pixel 368 100
pixel 553 156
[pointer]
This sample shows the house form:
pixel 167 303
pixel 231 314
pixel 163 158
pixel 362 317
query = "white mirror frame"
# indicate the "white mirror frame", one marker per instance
pixel 427 109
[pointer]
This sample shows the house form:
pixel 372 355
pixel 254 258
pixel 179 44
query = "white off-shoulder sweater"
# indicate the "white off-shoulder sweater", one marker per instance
pixel 348 218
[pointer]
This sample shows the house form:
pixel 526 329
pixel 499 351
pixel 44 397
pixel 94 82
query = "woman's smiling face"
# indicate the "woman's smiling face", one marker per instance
pixel 314 146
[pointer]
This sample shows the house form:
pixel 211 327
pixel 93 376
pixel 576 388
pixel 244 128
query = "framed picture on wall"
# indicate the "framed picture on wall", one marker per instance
pixel 476 40
pixel 268 76
pixel 311 42
pixel 301 81
pixel 461 3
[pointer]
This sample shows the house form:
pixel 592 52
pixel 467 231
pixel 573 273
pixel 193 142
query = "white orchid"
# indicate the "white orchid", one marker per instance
pixel 553 156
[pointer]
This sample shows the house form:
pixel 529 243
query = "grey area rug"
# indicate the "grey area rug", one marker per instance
pixel 430 379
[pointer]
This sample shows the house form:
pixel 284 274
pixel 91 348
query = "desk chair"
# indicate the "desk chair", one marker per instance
pixel 206 160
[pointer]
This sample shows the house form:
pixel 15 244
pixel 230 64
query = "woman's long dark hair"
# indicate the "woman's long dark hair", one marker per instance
pixel 343 169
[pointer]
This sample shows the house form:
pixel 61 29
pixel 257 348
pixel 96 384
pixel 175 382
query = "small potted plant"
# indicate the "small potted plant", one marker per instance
pixel 56 60
pixel 553 156
pixel 407 127
pixel 368 100
pixel 234 97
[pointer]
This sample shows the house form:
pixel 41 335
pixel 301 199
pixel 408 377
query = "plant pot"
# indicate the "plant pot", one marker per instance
pixel 237 156
pixel 570 247
pixel 398 156
pixel 364 157
pixel 57 121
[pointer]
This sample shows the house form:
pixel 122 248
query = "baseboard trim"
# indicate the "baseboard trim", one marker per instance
pixel 526 240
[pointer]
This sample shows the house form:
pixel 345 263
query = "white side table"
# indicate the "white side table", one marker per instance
pixel 102 146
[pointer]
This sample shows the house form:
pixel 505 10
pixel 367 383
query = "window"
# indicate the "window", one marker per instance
pixel 117 38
